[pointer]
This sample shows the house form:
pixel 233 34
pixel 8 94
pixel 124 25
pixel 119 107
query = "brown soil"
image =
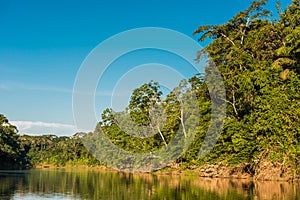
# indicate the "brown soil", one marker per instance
pixel 264 171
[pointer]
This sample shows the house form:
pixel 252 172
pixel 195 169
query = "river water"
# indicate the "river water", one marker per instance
pixel 64 184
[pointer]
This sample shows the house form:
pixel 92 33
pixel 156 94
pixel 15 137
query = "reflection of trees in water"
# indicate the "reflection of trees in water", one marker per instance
pixel 9 184
pixel 117 185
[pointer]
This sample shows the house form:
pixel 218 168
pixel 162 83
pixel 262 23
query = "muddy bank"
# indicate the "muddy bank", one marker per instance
pixel 264 171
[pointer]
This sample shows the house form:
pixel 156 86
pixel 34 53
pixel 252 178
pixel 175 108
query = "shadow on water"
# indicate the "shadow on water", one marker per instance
pixel 61 184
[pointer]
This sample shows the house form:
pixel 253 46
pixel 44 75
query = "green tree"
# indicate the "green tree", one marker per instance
pixel 259 61
pixel 143 105
pixel 10 155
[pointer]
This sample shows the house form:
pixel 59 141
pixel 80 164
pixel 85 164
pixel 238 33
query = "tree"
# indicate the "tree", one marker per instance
pixel 143 103
pixel 259 61
pixel 10 155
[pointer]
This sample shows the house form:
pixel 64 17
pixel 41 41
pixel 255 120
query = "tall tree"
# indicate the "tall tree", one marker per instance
pixel 259 61
pixel 10 156
pixel 143 103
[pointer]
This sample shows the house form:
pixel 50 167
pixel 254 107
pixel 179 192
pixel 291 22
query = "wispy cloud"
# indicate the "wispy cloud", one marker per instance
pixel 21 86
pixel 41 128
pixel 3 86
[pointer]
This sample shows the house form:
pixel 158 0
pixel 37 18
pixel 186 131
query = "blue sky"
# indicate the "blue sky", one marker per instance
pixel 43 44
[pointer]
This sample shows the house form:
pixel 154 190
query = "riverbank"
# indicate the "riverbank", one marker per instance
pixel 73 167
pixel 265 171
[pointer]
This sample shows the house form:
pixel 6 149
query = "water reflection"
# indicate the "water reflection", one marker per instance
pixel 59 184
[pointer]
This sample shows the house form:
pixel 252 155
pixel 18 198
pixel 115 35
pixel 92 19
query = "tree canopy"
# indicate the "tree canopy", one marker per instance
pixel 259 61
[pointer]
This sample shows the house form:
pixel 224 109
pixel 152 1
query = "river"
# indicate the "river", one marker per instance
pixel 88 184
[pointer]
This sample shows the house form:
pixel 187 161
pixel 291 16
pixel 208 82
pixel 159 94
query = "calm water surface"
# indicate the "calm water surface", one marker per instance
pixel 60 184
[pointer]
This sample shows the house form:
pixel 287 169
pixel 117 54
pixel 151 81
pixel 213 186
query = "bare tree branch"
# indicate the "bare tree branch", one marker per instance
pixel 232 103
pixel 228 39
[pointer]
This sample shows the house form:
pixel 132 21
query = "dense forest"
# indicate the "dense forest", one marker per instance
pixel 19 152
pixel 259 60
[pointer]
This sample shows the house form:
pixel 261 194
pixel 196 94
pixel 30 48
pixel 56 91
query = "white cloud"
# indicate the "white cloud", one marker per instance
pixel 4 86
pixel 42 128
pixel 23 86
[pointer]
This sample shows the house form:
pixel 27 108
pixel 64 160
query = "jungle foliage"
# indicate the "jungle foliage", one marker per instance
pixel 259 60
